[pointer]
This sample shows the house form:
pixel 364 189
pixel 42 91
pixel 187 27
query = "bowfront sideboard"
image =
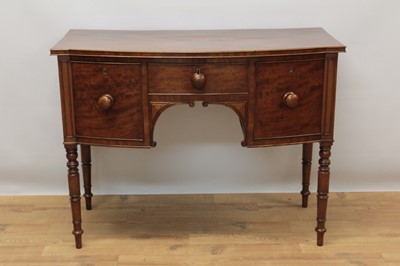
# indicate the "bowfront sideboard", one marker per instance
pixel 115 84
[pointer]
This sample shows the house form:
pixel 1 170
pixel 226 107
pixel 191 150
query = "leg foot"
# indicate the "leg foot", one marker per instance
pixel 78 240
pixel 87 175
pixel 320 237
pixel 323 190
pixel 74 192
pixel 306 170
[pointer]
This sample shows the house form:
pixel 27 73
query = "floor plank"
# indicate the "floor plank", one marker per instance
pixel 221 229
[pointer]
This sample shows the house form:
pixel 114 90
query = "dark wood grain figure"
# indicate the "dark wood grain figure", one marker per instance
pixel 114 85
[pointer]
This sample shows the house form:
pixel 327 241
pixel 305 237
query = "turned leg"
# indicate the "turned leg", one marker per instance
pixel 74 192
pixel 323 190
pixel 87 175
pixel 306 170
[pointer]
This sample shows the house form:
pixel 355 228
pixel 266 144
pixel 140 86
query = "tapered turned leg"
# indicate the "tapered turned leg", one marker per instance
pixel 74 192
pixel 87 175
pixel 323 190
pixel 306 170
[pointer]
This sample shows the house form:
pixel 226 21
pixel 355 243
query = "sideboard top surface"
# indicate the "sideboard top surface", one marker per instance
pixel 197 43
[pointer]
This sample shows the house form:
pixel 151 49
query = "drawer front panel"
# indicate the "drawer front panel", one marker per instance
pixel 108 100
pixel 176 78
pixel 288 99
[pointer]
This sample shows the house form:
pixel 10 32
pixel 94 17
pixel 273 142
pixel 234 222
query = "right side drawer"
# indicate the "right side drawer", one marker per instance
pixel 288 99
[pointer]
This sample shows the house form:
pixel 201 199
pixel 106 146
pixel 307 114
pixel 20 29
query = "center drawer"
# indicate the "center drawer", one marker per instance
pixel 177 78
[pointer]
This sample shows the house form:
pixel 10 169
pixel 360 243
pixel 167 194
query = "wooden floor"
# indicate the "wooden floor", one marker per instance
pixel 230 229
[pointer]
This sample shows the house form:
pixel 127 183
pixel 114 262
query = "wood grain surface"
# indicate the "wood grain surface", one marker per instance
pixel 224 42
pixel 221 229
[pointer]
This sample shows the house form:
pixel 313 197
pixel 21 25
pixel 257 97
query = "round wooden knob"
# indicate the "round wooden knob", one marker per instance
pixel 198 80
pixel 290 99
pixel 105 102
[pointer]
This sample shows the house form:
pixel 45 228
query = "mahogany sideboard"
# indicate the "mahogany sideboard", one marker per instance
pixel 115 84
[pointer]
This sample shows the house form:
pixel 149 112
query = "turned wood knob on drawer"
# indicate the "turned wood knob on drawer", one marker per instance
pixel 290 99
pixel 105 102
pixel 198 80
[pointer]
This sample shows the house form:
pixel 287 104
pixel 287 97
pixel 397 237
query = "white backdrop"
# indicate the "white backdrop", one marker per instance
pixel 199 149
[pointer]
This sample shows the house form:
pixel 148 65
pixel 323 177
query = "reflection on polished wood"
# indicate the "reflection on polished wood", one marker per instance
pixel 222 229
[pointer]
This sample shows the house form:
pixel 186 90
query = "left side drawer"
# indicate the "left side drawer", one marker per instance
pixel 107 100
